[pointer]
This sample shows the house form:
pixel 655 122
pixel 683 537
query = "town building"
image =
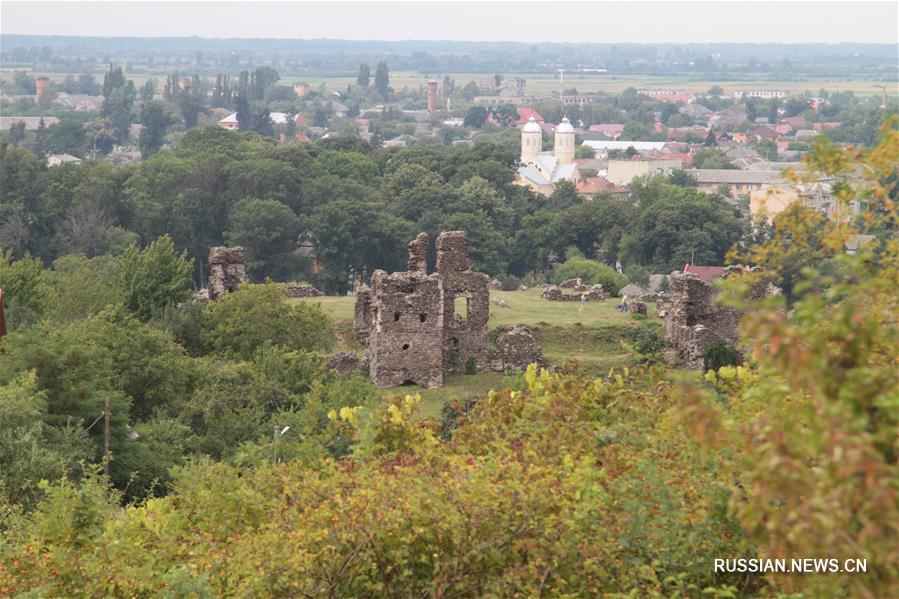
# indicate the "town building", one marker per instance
pixel 622 172
pixel 32 123
pixel 759 93
pixel 602 147
pixel 57 159
pixel 738 182
pixel 541 170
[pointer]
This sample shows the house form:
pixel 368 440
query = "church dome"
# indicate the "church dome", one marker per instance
pixel 564 126
pixel 532 126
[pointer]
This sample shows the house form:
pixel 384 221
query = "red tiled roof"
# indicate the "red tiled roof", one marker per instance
pixel 526 112
pixel 593 185
pixel 766 132
pixel 705 273
pixel 794 121
pixel 607 128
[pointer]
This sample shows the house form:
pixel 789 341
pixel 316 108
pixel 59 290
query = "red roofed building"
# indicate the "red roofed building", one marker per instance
pixel 796 122
pixel 705 273
pixel 525 113
pixel 766 133
pixel 587 188
pixel 610 130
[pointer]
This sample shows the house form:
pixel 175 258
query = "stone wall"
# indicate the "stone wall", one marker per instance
pixel 465 335
pixel 227 270
pixel 693 321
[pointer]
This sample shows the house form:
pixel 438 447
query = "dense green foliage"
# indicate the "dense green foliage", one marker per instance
pixel 359 207
pixel 590 272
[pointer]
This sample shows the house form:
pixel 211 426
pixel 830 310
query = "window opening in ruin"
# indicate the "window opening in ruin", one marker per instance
pixel 454 341
pixel 423 317
pixel 405 346
pixel 396 316
pixel 460 307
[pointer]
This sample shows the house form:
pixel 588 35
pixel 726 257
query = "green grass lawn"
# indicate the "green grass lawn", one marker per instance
pixel 592 337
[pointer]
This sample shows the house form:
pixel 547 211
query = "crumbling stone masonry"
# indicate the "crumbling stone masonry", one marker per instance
pixel 408 319
pixel 515 349
pixel 296 290
pixel 693 321
pixel 227 270
pixel 592 293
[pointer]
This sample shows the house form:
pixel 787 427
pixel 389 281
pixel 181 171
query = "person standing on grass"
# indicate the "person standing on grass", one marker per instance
pixel 623 305
pixel 580 310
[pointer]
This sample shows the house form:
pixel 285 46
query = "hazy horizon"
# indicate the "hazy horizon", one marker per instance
pixel 523 22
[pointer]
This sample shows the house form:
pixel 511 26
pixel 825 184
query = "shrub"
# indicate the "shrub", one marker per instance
pixel 590 272
pixel 471 367
pixel 510 282
pixel 243 321
pixel 719 354
pixel 26 294
pixel 648 339
pixel 155 277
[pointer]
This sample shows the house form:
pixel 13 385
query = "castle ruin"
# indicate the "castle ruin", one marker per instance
pixel 227 270
pixel 408 319
pixel 694 320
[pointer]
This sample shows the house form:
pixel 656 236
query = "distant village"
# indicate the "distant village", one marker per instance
pixel 738 145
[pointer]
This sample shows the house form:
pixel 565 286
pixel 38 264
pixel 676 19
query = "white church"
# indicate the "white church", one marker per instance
pixel 541 170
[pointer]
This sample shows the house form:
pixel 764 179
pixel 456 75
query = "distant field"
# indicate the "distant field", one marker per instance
pixel 546 83
pixel 563 333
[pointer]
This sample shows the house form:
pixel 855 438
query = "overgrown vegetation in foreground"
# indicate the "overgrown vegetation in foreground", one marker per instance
pixel 629 484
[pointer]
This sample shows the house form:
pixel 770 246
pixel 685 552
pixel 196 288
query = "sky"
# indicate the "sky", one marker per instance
pixel 615 22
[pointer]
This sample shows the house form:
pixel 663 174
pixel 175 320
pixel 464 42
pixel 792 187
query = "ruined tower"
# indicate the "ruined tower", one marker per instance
pixel 227 270
pixel 408 319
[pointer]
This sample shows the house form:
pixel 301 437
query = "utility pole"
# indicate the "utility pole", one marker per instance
pixel 106 437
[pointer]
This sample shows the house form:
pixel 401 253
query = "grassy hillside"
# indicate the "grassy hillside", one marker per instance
pixel 593 337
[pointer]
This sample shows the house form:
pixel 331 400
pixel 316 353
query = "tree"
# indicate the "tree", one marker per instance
pixel 715 90
pixel 672 226
pixel 364 77
pixel 711 158
pixel 154 278
pixel 147 91
pixel 117 106
pixel 16 133
pixel 65 137
pixel 268 230
pixel 590 272
pixel 505 114
pixel 382 80
pixel 476 117
pixel 156 121
pixel 682 178
pixel 242 322
pixel 584 151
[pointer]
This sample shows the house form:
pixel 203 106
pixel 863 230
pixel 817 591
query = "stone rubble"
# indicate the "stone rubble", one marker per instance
pixel 515 350
pixel 301 290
